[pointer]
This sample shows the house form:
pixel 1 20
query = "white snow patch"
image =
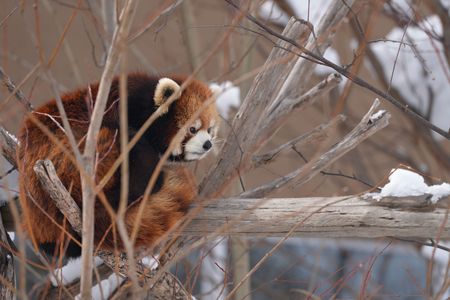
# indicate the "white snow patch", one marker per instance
pixel 105 288
pixel 446 4
pixel 422 74
pixel 151 262
pixel 376 116
pixel 70 272
pixel 270 11
pixel 403 6
pixel 229 96
pixel 404 183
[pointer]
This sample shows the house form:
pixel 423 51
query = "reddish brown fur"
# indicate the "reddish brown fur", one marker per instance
pixel 164 208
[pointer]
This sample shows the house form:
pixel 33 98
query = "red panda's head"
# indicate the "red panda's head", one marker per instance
pixel 199 138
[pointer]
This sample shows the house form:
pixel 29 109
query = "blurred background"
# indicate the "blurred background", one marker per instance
pixel 401 46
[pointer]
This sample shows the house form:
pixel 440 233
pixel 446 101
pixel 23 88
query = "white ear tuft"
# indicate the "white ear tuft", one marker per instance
pixel 165 88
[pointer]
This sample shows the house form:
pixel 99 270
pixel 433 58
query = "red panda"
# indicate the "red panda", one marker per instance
pixel 175 187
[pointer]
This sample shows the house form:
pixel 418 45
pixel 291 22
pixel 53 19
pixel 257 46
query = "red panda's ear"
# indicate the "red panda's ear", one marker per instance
pixel 165 88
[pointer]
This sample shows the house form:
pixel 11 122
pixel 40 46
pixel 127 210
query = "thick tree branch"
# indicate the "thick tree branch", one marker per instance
pixel 413 216
pixel 57 191
pixel 350 216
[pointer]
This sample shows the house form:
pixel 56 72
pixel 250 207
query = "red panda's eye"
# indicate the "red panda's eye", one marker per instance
pixel 192 130
pixel 209 130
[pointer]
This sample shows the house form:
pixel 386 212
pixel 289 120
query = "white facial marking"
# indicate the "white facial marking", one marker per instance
pixel 197 124
pixel 194 150
pixel 212 129
pixel 177 150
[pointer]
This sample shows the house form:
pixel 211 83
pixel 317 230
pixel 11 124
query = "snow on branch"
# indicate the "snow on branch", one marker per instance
pixel 404 183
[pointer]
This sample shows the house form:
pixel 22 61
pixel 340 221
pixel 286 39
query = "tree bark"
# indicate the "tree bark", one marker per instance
pixel 332 217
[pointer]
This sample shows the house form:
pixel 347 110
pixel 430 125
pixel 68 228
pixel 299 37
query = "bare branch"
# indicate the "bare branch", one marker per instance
pixel 14 90
pixel 109 16
pixel 288 104
pixel 8 144
pixel 280 112
pixel 316 134
pixel 120 35
pixel 153 19
pixel 270 86
pixel 263 90
pixel 353 77
pixel 57 191
pixel 366 128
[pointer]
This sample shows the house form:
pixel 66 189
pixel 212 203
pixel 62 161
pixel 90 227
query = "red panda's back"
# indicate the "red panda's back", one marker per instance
pixel 42 136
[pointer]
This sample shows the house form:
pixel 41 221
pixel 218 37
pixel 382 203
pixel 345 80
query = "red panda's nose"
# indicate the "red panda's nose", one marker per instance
pixel 207 145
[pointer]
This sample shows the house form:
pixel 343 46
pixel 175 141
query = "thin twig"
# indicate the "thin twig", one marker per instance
pixel 88 192
pixel 15 90
pixel 153 19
